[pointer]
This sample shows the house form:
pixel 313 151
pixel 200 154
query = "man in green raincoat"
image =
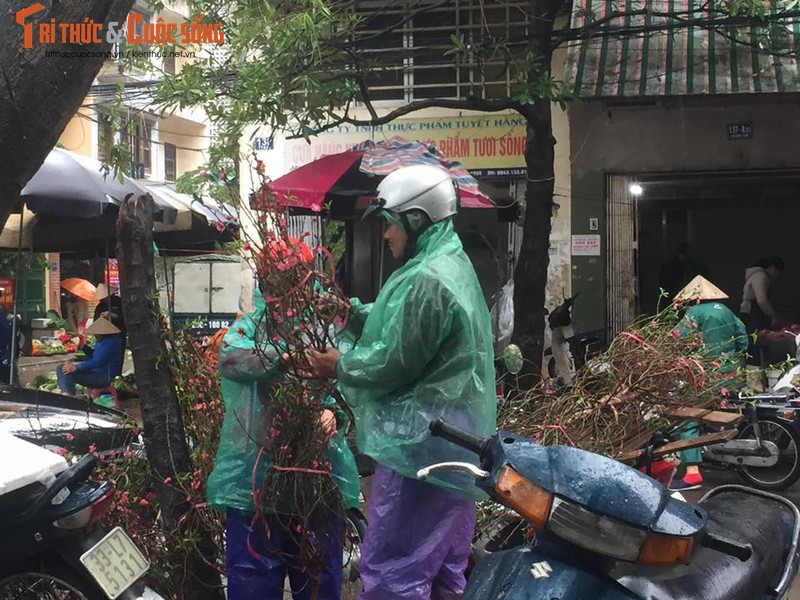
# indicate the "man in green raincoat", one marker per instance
pixel 257 565
pixel 724 338
pixel 424 351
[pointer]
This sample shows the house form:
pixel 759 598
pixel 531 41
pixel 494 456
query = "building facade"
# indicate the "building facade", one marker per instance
pixel 681 138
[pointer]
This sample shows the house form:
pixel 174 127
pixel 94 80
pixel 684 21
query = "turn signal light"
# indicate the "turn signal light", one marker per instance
pixel 665 550
pixel 525 497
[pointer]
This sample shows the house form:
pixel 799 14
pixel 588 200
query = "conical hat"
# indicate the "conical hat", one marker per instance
pixel 101 293
pixel 102 326
pixel 700 288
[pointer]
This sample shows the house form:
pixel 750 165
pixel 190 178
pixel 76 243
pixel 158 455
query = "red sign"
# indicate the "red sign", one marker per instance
pixel 112 273
pixel 7 293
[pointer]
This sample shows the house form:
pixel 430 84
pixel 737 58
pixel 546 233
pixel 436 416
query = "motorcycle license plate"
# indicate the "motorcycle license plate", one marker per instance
pixel 115 562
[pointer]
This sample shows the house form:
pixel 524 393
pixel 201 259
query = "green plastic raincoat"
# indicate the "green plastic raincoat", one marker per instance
pixel 724 334
pixel 244 379
pixel 425 351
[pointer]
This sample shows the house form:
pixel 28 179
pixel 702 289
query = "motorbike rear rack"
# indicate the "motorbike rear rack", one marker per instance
pixel 677 446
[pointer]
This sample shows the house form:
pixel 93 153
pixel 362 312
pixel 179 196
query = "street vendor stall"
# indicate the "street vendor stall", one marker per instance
pixel 775 346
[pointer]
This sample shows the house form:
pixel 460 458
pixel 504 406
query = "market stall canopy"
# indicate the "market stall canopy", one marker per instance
pixel 356 173
pixel 10 236
pixel 74 186
pixel 197 225
pixel 190 208
pixel 674 61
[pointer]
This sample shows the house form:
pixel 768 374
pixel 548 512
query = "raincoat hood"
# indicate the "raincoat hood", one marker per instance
pixel 425 352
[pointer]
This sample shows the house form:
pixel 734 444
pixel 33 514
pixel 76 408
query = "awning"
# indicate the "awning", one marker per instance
pixel 188 208
pixel 670 59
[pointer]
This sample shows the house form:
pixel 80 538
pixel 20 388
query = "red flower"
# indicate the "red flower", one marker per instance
pixel 246 246
pixel 315 207
pixel 143 502
pixel 70 437
pixel 92 449
pixel 725 392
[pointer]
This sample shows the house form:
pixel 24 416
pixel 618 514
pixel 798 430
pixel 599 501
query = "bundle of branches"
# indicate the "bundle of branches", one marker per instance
pixel 622 397
pixel 302 308
pixel 136 506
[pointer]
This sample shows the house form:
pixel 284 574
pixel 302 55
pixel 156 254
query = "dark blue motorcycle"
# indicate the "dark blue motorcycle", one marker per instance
pixel 605 531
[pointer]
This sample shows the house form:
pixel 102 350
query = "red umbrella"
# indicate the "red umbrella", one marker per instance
pixel 357 173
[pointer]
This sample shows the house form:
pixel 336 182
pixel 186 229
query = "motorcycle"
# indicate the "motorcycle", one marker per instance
pixel 766 448
pixel 567 352
pixel 608 532
pixel 52 544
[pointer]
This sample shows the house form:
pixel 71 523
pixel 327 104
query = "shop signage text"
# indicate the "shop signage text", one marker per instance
pixel 740 130
pixel 486 143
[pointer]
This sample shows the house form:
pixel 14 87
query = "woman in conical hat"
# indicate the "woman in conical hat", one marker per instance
pixel 104 362
pixel 724 337
pixel 700 289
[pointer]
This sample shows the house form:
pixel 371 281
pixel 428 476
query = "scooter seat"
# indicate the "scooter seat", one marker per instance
pixel 713 575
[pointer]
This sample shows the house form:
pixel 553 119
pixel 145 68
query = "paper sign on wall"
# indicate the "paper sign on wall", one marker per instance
pixel 586 245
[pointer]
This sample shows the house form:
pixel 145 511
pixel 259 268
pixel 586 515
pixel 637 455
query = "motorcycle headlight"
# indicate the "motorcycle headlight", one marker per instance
pixel 594 532
pixel 611 537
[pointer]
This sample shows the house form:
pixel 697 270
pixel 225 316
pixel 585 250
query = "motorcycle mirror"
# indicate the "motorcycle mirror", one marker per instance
pixel 512 359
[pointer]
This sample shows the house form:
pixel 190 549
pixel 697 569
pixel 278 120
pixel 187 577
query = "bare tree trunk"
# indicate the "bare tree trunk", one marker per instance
pixel 165 441
pixel 39 93
pixel 530 275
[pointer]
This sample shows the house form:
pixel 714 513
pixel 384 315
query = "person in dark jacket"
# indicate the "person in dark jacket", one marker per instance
pixel 111 305
pixel 104 361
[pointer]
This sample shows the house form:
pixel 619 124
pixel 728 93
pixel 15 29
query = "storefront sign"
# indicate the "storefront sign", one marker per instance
pixel 112 273
pixel 740 130
pixel 586 245
pixel 488 145
pixel 7 293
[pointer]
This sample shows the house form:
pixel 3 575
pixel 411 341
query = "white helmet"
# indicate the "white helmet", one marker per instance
pixel 420 187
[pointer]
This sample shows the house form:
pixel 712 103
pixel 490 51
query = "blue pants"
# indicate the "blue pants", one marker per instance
pixel 93 378
pixel 417 542
pixel 262 577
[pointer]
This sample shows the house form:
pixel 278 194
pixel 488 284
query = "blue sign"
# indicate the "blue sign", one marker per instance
pixel 262 143
pixel 740 130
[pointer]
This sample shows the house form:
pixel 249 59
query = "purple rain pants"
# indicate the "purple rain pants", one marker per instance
pixel 417 542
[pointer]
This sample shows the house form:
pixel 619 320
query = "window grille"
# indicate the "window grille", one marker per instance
pixel 405 43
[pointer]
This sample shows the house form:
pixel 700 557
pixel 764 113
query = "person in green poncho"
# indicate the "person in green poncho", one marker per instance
pixel 725 338
pixel 424 350
pixel 257 564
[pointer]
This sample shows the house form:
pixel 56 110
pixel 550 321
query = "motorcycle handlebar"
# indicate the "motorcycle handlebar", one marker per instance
pixel 727 546
pixel 451 433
